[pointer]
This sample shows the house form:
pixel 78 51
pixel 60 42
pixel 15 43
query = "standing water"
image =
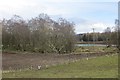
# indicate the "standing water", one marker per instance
pixel 90 45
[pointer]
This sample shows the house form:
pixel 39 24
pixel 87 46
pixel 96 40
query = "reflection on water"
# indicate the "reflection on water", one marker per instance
pixel 90 45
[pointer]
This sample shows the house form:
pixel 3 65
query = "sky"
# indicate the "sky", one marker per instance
pixel 86 14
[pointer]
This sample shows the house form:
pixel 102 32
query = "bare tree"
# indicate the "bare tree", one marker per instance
pixel 108 36
pixel 40 34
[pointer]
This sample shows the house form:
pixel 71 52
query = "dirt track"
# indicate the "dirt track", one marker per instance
pixel 13 61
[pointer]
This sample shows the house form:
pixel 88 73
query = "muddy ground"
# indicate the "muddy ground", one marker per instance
pixel 16 61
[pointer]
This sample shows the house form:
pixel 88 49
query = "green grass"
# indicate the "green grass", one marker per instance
pixel 99 67
pixel 89 49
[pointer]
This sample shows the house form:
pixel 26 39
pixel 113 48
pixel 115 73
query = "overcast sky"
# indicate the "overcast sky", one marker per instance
pixel 86 14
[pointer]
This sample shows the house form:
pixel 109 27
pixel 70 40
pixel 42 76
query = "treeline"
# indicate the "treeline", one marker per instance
pixel 39 34
pixel 103 37
pixel 107 37
pixel 91 37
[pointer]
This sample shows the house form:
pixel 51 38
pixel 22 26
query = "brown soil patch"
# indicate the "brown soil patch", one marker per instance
pixel 13 61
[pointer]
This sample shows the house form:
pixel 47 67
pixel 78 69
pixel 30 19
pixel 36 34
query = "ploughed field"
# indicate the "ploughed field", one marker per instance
pixel 95 67
pixel 17 61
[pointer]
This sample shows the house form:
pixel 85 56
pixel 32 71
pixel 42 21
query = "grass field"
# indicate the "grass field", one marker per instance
pixel 99 67
pixel 94 49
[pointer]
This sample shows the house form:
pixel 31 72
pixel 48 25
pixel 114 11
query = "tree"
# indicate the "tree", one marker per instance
pixel 39 34
pixel 108 36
